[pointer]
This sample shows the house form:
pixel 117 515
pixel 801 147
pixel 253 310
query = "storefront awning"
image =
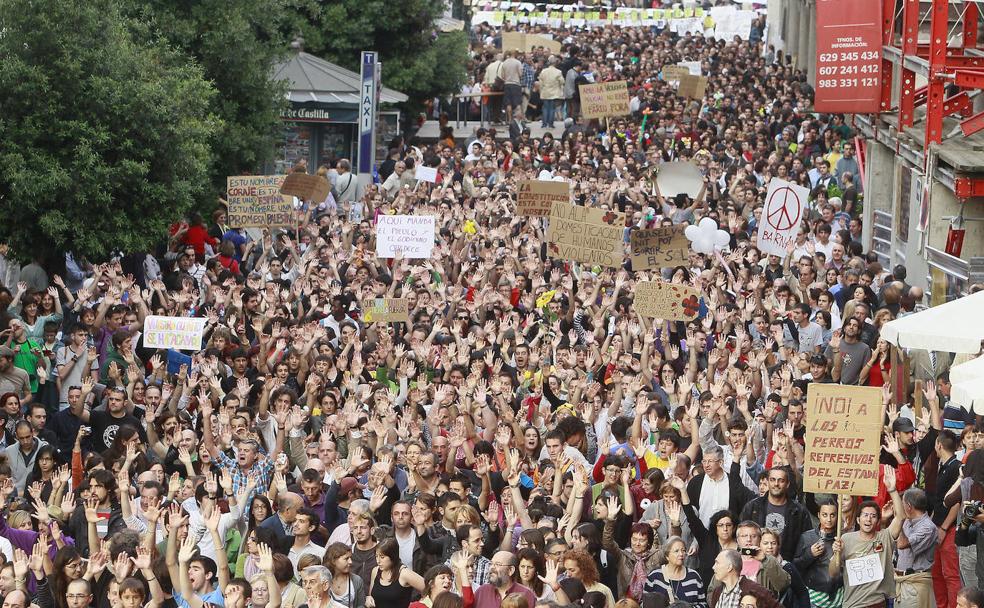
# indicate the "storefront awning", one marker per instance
pixel 314 80
pixel 955 327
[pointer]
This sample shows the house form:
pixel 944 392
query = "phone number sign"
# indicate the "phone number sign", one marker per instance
pixel 849 42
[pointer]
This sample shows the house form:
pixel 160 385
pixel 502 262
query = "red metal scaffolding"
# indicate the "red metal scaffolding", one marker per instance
pixel 941 65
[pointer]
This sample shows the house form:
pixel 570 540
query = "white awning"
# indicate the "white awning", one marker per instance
pixel 967 371
pixel 955 327
pixel 969 394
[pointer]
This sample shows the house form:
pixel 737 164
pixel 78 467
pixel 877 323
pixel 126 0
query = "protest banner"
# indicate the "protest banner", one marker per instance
pixel 536 197
pixel 179 333
pixel 426 174
pixel 310 188
pixel 386 310
pixel 411 235
pixel 604 99
pixel 785 207
pixel 667 301
pixel 660 247
pixel 255 201
pixel 679 177
pixel 692 87
pixel 843 439
pixel 589 235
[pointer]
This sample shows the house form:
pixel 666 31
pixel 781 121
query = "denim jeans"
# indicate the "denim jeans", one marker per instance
pixel 548 112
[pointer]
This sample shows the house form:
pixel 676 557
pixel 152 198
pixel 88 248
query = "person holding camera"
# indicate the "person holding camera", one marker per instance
pixel 757 565
pixel 813 555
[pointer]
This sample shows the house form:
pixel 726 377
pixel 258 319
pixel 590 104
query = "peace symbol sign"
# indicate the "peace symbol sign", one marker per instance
pixel 783 209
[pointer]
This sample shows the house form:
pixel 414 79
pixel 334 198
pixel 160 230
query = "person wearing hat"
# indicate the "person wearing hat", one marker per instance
pixel 13 379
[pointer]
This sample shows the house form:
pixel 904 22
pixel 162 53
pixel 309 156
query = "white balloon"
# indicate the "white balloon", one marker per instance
pixel 707 224
pixel 691 232
pixel 722 238
pixel 705 244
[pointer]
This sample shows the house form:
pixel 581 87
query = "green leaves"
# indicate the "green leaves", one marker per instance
pixel 103 138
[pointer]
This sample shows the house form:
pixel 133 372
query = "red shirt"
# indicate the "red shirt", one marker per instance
pixel 197 236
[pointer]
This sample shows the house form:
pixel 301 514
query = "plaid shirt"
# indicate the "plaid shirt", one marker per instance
pixel 262 468
pixel 483 568
pixel 730 599
pixel 528 77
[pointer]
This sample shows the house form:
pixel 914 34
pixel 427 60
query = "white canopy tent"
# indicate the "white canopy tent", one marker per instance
pixel 969 394
pixel 955 327
pixel 967 371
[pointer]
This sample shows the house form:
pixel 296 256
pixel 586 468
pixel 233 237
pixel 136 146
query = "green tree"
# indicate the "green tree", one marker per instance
pixel 236 44
pixel 416 59
pixel 104 139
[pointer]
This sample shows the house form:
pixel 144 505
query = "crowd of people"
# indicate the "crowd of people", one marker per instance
pixel 526 439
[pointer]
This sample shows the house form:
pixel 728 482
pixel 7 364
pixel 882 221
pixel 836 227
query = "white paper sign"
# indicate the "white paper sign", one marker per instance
pixel 413 235
pixel 426 174
pixel 861 570
pixel 785 208
pixel 179 333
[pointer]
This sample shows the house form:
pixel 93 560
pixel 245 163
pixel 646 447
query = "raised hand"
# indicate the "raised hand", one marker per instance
pixel 142 560
pixel 614 508
pixel 187 550
pixel 265 562
pixel 122 566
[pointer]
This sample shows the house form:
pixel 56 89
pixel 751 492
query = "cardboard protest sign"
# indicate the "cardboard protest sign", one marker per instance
pixel 679 177
pixel 583 234
pixel 667 301
pixel 673 73
pixel 536 40
pixel 604 99
pixel 413 235
pixel 843 439
pixel 536 197
pixel 426 174
pixel 785 208
pixel 513 41
pixel 386 310
pixel 692 87
pixel 311 188
pixel 255 201
pixel 660 247
pixel 179 333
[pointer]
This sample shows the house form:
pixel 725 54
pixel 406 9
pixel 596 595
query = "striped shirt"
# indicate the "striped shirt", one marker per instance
pixel 689 589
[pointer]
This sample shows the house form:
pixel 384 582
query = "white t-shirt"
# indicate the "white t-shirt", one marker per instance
pixel 714 496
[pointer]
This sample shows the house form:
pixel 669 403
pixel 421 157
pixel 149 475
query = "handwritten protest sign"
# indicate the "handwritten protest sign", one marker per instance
pixel 513 41
pixel 589 235
pixel 386 310
pixel 692 87
pixel 426 174
pixel 673 73
pixel 413 235
pixel 311 188
pixel 785 207
pixel 660 247
pixel 518 41
pixel 179 333
pixel 604 99
pixel 256 201
pixel 668 301
pixel 843 439
pixel 536 197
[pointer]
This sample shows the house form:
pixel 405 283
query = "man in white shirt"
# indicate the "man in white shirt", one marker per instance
pixel 306 522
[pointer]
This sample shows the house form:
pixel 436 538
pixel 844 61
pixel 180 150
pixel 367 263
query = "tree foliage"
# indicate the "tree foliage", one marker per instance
pixel 416 59
pixel 104 139
pixel 236 44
